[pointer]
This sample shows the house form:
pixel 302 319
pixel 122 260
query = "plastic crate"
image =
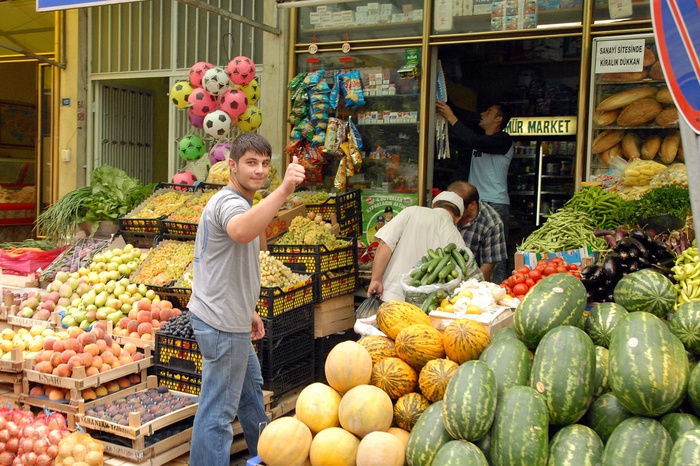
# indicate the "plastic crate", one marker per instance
pixel 291 377
pixel 351 227
pixel 335 283
pixel 289 322
pixel 160 243
pixel 138 240
pixel 316 258
pixel 344 206
pixel 324 345
pixel 178 353
pixel 278 353
pixel 172 227
pixel 180 297
pixel 274 301
pixel 180 381
pixel 130 222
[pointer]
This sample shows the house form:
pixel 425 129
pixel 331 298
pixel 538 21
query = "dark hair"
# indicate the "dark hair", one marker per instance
pixel 505 112
pixel 381 219
pixel 249 142
pixel 466 191
pixel 388 209
pixel 450 207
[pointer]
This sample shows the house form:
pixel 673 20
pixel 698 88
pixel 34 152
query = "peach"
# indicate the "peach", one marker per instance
pixel 108 340
pixel 102 345
pixel 132 313
pixel 123 321
pixel 130 347
pixel 87 338
pixel 55 359
pixel 105 367
pixel 155 313
pixel 107 357
pixel 176 312
pixel 112 386
pixel 132 326
pixel 75 361
pixel 134 335
pixel 126 359
pixel 92 370
pixel 54 393
pixel 137 356
pixel 66 394
pixel 36 390
pixel 144 304
pixel 88 394
pixel 62 370
pixel 101 390
pixel 92 348
pixel 144 316
pixel 147 337
pixel 123 382
pixel 166 314
pixel 87 359
pixel 43 355
pixel 96 362
pixel 48 343
pixel 117 363
pixel 116 349
pixel 164 303
pixel 98 332
pixel 73 332
pixel 59 345
pixel 66 355
pixel 73 344
pixel 135 378
pixel 145 328
pixel 44 367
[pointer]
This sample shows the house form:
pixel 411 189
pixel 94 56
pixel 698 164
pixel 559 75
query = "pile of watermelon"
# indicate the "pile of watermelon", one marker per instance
pixel 617 385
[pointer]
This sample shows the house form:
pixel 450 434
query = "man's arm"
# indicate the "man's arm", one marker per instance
pixel 487 270
pixel 381 260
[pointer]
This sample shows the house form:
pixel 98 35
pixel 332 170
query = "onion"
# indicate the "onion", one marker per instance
pixel 52 451
pixel 3 421
pixel 13 429
pixel 28 431
pixel 12 445
pixel 57 421
pixel 6 458
pixel 4 435
pixel 30 458
pixel 55 436
pixel 24 421
pixel 40 446
pixel 43 460
pixel 42 430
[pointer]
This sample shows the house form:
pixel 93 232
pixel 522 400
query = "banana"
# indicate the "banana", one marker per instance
pixel 695 292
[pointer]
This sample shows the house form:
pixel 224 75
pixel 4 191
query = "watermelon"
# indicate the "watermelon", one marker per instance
pixel 427 436
pixel 601 320
pixel 484 445
pixel 520 433
pixel 575 445
pixel 563 372
pixel 605 413
pixel 646 290
pixel 459 453
pixel 678 423
pixel 470 401
pixel 686 450
pixel 509 359
pixel 638 441
pixel 648 365
pixel 558 299
pixel 694 389
pixel 685 324
pixel 506 332
pixel 600 385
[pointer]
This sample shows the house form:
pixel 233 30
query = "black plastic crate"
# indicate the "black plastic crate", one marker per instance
pixel 131 222
pixel 289 322
pixel 172 227
pixel 336 283
pixel 178 353
pixel 137 239
pixel 316 258
pixel 290 378
pixel 180 381
pixel 323 346
pixel 277 353
pixel 273 301
pixel 351 227
pixel 180 297
pixel 344 206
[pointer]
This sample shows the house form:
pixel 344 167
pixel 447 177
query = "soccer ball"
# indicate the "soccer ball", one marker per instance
pixel 197 72
pixel 250 120
pixel 233 102
pixel 184 177
pixel 217 123
pixel 180 93
pixel 241 70
pixel 219 152
pixel 201 102
pixel 191 147
pixel 215 81
pixel 195 120
pixel 251 90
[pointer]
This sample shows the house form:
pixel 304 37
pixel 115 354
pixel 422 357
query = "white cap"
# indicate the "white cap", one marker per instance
pixel 452 198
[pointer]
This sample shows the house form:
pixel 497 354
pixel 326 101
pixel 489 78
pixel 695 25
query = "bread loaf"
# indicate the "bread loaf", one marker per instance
pixel 664 96
pixel 605 118
pixel 649 57
pixel 680 155
pixel 624 77
pixel 650 147
pixel 626 97
pixel 667 117
pixel 631 146
pixel 656 72
pixel 669 148
pixel 606 139
pixel 639 112
pixel 607 155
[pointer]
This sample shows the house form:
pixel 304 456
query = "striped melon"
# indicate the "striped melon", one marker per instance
pixel 685 324
pixel 638 441
pixel 509 359
pixel 678 423
pixel 601 321
pixel 434 377
pixel 648 365
pixel 694 389
pixel 427 436
pixel 602 358
pixel 395 376
pixel 417 344
pixel 520 432
pixel 686 450
pixel 575 445
pixel 605 413
pixel 646 290
pixel 459 453
pixel 379 347
pixel 393 316
pixel 465 339
pixel 505 332
pixel 563 372
pixel 558 299
pixel 408 408
pixel 470 401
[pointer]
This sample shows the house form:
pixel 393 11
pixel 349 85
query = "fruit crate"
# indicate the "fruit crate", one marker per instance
pixel 180 381
pixel 351 227
pixel 289 322
pixel 130 222
pixel 277 353
pixel 316 258
pixel 274 301
pixel 163 447
pixel 344 206
pixel 138 239
pixel 336 283
pixel 79 254
pixel 290 378
pixel 161 243
pixel 324 345
pixel 180 227
pixel 178 353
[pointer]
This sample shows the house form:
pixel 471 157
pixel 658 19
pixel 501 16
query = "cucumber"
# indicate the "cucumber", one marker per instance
pixel 446 270
pixel 434 274
pixel 433 264
pixel 459 260
pixel 432 254
pixel 450 247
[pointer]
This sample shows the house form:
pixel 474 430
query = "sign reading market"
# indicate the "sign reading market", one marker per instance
pixel 51 5
pixel 542 126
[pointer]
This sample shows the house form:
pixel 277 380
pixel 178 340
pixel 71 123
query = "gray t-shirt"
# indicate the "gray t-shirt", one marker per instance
pixel 226 282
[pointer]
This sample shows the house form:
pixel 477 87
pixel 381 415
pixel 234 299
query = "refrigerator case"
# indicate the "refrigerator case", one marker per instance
pixel 632 113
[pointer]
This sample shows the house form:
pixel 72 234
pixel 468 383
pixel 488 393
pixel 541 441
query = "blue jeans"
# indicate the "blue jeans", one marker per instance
pixel 231 384
pixel 500 270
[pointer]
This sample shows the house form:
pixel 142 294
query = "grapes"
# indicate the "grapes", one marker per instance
pixel 163 204
pixel 165 263
pixel 274 273
pixel 305 231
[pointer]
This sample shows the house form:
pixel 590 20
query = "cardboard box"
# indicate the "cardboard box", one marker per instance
pixel 279 225
pixel 503 320
pixel 334 315
pixel 581 257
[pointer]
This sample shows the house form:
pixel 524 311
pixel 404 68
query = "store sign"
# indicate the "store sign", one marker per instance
pixel 619 56
pixel 380 208
pixel 676 24
pixel 542 126
pixel 51 5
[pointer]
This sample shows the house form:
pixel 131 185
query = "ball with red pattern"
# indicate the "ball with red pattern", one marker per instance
pixel 197 72
pixel 201 102
pixel 241 70
pixel 233 102
pixel 185 178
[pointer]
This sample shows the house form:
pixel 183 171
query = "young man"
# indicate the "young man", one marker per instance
pixel 224 296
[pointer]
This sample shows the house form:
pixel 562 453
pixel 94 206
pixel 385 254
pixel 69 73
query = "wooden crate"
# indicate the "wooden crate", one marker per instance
pixel 334 315
pixel 18 321
pixel 19 281
pixel 505 319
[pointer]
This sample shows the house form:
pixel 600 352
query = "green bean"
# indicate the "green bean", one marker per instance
pixel 564 230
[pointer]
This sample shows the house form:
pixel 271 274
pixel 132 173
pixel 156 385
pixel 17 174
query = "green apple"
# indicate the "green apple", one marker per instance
pixel 62 276
pixel 108 255
pixel 27 312
pixel 113 274
pixel 99 287
pixel 150 294
pixel 142 289
pixel 119 289
pixel 124 282
pixel 132 288
pixel 112 266
pixel 126 307
pixel 128 247
pixel 124 269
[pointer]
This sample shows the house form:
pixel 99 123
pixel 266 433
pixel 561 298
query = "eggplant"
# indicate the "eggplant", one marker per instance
pixel 588 270
pixel 611 265
pixel 643 263
pixel 598 274
pixel 643 251
pixel 637 234
pixel 625 244
pixel 634 267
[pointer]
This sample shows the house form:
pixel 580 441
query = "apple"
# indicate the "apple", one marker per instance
pixel 150 294
pixel 132 288
pixel 27 312
pixel 62 276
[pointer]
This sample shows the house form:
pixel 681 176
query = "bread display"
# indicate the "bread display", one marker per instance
pixel 664 96
pixel 656 72
pixel 624 77
pixel 639 112
pixel 606 139
pixel 667 117
pixel 631 146
pixel 649 57
pixel 669 147
pixel 650 147
pixel 605 118
pixel 626 97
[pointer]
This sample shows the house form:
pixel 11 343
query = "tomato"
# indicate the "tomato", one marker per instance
pixel 572 267
pixel 542 263
pixel 518 278
pixel 535 274
pixel 562 269
pixel 524 270
pixel 556 260
pixel 530 282
pixel 520 289
pixel 509 281
pixel 549 270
